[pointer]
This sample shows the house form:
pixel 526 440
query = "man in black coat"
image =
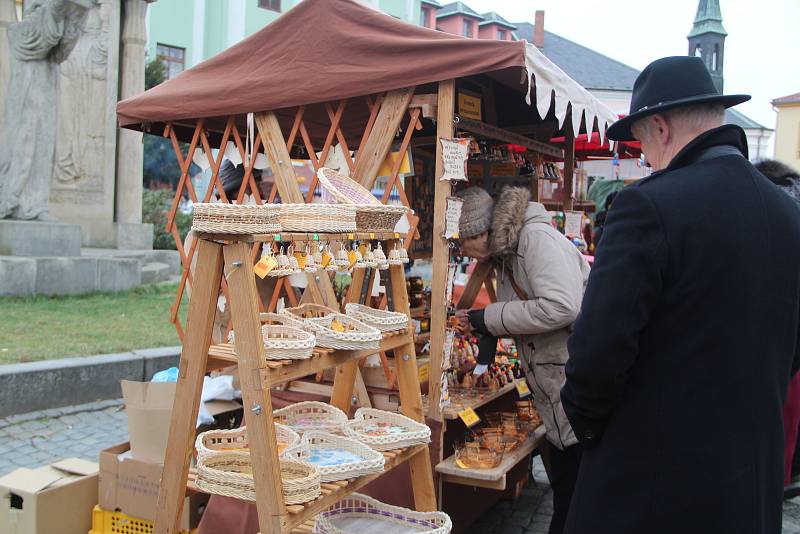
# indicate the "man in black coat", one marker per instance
pixel 680 358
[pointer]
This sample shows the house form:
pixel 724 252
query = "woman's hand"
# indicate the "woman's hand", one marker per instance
pixel 463 322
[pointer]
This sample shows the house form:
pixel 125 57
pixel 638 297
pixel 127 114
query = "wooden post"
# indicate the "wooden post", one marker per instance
pixel 192 369
pixel 480 274
pixel 278 155
pixel 569 163
pixel 374 151
pixel 256 398
pixel 441 250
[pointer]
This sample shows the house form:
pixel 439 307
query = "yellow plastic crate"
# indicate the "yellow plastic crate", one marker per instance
pixel 105 522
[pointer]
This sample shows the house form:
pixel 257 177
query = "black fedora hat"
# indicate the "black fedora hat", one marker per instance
pixel 668 83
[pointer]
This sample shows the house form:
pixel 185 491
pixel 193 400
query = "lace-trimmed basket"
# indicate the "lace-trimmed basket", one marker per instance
pixel 398 430
pixel 358 513
pixel 220 218
pixel 231 474
pixel 370 461
pixel 383 320
pixel 311 415
pixel 215 441
pixel 313 217
pixel 287 342
pixel 318 320
pixel 371 214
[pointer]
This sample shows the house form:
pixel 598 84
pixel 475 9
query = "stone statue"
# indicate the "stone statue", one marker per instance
pixel 39 43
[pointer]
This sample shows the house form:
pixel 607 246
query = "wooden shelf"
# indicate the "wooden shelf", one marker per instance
pixel 279 371
pixel 451 412
pixel 332 492
pixel 494 478
pixel 302 236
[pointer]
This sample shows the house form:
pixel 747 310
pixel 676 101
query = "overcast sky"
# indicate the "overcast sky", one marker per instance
pixel 762 50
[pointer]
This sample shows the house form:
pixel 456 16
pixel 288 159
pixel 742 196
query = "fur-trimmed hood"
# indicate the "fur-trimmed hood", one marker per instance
pixel 512 211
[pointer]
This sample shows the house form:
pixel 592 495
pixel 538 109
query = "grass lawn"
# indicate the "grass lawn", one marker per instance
pixel 44 328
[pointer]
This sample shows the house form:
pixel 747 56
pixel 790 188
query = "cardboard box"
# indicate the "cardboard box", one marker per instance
pixel 149 407
pixel 130 486
pixel 57 498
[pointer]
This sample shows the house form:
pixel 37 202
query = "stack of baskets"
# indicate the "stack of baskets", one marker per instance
pixel 308 416
pixel 335 330
pixel 217 218
pixel 370 214
pixel 383 320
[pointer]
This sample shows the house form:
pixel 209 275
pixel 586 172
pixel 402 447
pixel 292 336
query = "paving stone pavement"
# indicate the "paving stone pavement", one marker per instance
pixel 39 438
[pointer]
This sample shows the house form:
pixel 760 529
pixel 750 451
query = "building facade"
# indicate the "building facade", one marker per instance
pixel 787 130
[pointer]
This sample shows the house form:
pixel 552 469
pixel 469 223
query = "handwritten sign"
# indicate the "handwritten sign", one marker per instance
pixel 573 224
pixel 452 217
pixel 469 417
pixel 449 338
pixel 451 279
pixel 454 158
pixel 507 168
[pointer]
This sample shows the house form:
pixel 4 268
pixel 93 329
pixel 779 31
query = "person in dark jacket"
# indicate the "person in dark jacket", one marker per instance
pixel 600 219
pixel 688 332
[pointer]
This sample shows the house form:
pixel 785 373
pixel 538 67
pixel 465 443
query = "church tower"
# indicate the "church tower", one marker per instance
pixel 707 39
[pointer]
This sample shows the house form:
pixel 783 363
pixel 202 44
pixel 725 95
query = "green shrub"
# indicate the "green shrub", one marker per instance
pixel 155 208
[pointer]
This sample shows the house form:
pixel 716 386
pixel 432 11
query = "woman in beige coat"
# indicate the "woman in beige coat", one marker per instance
pixel 541 276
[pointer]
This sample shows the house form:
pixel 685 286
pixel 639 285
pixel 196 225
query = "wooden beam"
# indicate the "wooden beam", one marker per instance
pixel 192 369
pixel 480 274
pixel 374 151
pixel 269 129
pixel 441 250
pixel 499 134
pixel 569 165
pixel 427 103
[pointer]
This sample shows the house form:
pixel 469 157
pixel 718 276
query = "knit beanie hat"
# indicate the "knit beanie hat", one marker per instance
pixel 476 213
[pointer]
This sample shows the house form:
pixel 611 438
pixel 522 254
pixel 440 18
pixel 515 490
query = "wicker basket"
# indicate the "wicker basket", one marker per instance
pixel 235 440
pixel 384 431
pixel 311 415
pixel 236 219
pixel 309 311
pixel 356 336
pixel 231 474
pixel 312 444
pixel 314 217
pixel 385 321
pixel 287 342
pixel 371 214
pixel 357 513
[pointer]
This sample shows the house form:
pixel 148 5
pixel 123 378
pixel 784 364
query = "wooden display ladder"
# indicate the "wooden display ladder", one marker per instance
pixel 232 257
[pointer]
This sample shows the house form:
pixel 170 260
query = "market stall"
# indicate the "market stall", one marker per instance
pixel 290 92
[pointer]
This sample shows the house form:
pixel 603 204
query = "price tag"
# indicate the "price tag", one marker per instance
pixel 326 258
pixel 396 235
pixel 316 237
pixel 277 237
pixel 372 235
pixel 351 257
pixel 469 417
pixel 301 259
pixel 351 236
pixel 522 389
pixel 264 266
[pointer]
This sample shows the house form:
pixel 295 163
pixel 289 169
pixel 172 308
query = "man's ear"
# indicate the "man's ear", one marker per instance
pixel 661 130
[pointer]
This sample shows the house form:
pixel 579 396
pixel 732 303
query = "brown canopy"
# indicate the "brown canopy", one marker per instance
pixel 327 50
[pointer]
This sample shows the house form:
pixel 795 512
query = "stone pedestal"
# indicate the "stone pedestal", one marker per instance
pixel 26 238
pixel 134 236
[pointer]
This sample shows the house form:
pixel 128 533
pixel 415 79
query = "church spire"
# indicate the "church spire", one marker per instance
pixel 707 38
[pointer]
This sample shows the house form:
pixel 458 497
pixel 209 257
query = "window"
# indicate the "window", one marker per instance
pixel 715 59
pixel 423 17
pixel 172 57
pixel 698 51
pixel 272 5
pixel 467 28
pixel 501 35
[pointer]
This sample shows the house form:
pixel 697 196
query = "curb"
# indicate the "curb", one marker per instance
pixel 34 386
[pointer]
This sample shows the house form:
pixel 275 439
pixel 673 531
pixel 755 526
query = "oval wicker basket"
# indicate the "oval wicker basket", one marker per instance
pixel 383 320
pixel 314 217
pixel 371 214
pixel 401 431
pixel 370 461
pixel 235 440
pixel 287 342
pixel 356 335
pixel 311 415
pixel 357 513
pixel 309 311
pixel 220 218
pixel 231 474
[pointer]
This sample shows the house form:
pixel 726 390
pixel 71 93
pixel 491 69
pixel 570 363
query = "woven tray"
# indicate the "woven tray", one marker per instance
pixel 315 217
pixel 235 440
pixel 385 321
pixel 311 415
pixel 231 474
pixel 357 335
pixel 236 219
pixel 357 513
pixel 287 342
pixel 309 311
pixel 384 431
pixel 371 214
pixel 366 460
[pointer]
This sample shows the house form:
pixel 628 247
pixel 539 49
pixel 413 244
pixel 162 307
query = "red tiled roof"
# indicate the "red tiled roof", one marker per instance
pixel 790 99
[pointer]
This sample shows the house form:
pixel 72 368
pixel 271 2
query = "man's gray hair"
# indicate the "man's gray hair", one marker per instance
pixel 696 117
